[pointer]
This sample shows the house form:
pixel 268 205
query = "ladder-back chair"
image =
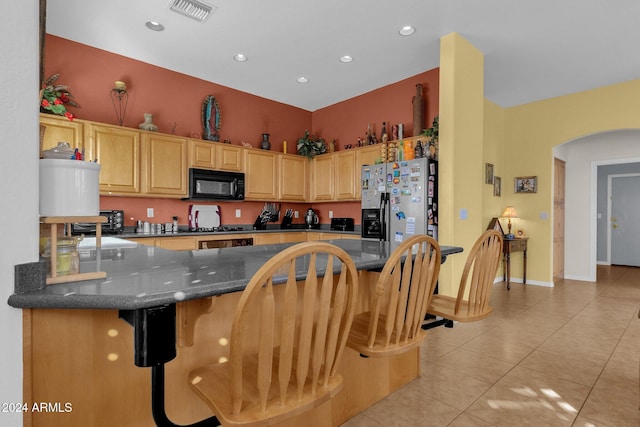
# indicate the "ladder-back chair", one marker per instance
pixel 289 365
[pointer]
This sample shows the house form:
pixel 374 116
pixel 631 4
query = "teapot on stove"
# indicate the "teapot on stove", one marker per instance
pixel 311 219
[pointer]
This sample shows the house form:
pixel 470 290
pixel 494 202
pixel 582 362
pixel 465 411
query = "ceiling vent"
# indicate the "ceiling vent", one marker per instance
pixel 193 9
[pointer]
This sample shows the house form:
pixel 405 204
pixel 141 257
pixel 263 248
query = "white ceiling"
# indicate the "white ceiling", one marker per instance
pixel 533 49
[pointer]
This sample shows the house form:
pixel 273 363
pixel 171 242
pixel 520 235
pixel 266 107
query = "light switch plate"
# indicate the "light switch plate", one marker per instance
pixel 238 213
pixel 150 213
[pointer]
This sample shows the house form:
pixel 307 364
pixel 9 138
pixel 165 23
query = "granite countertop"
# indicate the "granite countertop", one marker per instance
pixel 143 276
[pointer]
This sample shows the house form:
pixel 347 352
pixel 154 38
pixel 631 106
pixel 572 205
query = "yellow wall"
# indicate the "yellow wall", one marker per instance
pixel 518 141
pixel 530 133
pixel 460 184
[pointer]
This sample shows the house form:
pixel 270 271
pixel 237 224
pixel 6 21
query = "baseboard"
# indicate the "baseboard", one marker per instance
pixel 579 278
pixel 529 282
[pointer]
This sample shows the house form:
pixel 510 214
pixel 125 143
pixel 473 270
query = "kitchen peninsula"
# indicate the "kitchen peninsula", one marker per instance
pixel 80 350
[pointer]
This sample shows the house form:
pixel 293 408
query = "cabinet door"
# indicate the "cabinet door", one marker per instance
pixel 294 178
pixel 60 129
pixel 165 165
pixel 366 156
pixel 322 177
pixel 118 151
pixel 345 175
pixel 229 157
pixel 178 243
pixel 261 175
pixel 267 238
pixel 294 237
pixel 202 154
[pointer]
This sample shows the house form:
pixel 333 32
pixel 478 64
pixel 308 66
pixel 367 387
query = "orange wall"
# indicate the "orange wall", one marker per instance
pixel 348 120
pixel 171 97
pixel 177 98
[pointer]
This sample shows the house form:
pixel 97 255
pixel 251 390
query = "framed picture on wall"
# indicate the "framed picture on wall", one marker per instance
pixel 497 186
pixel 488 173
pixel 526 184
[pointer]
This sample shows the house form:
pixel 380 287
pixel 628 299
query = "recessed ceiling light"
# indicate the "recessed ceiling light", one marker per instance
pixel 407 30
pixel 346 58
pixel 155 26
pixel 240 57
pixel 303 80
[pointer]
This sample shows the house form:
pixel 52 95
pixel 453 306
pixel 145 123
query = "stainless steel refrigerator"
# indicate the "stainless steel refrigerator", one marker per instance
pixel 400 199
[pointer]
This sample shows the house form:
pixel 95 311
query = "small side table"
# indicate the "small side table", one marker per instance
pixel 513 245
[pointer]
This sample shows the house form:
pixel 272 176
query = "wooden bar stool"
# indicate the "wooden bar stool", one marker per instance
pixel 288 366
pixel 399 303
pixel 476 283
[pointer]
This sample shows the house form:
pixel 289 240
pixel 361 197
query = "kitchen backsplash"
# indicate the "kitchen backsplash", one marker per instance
pixel 165 209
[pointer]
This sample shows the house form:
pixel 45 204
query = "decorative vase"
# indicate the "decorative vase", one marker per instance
pixel 418 111
pixel 148 123
pixel 265 144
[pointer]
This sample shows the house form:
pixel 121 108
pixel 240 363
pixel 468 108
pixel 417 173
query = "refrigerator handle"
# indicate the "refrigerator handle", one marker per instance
pixel 383 216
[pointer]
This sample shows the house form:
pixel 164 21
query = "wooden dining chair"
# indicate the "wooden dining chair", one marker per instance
pixel 476 283
pixel 287 337
pixel 403 291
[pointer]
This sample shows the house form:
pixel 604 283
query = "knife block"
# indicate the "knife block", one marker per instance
pixel 286 222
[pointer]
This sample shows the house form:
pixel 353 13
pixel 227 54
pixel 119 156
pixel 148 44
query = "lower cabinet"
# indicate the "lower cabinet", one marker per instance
pixel 186 243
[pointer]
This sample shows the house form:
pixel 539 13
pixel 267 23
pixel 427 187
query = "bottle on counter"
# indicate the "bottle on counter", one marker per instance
pixel 175 224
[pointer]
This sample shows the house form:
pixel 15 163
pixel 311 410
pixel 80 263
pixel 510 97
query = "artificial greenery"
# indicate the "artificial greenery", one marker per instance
pixel 54 97
pixel 432 132
pixel 310 145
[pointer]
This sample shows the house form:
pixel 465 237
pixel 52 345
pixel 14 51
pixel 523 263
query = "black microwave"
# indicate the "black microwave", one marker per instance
pixel 205 184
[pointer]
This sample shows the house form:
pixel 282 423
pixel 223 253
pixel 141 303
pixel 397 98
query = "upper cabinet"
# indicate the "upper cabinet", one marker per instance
pixel 117 149
pixel 164 165
pixel 366 156
pixel 322 180
pixel 346 186
pixel 293 178
pixel 57 129
pixel 141 163
pixel 261 175
pixel 215 155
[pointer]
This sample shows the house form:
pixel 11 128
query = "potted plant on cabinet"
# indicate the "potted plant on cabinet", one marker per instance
pixel 433 134
pixel 310 145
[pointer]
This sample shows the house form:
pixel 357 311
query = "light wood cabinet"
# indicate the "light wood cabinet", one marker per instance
pixel 366 156
pixel 60 129
pixel 215 155
pixel 267 238
pixel 164 164
pixel 293 178
pixel 345 166
pixel 177 243
pixel 117 149
pixel 322 181
pixel 147 241
pixel 261 175
pixel 230 157
pixel 202 154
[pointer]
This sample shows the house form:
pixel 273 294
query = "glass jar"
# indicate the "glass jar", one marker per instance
pixel 67 257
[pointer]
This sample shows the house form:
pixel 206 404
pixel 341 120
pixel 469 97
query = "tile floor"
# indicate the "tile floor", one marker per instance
pixel 562 356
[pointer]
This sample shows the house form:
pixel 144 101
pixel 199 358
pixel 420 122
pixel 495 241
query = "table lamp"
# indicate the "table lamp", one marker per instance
pixel 509 212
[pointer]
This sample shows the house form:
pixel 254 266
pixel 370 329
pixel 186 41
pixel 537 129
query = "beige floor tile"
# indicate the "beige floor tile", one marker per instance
pixel 528 398
pixel 449 386
pixel 568 368
pixel 466 420
pixel 507 351
pixel 362 420
pixel 562 356
pixel 406 408
pixel 483 368
pixel 615 397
